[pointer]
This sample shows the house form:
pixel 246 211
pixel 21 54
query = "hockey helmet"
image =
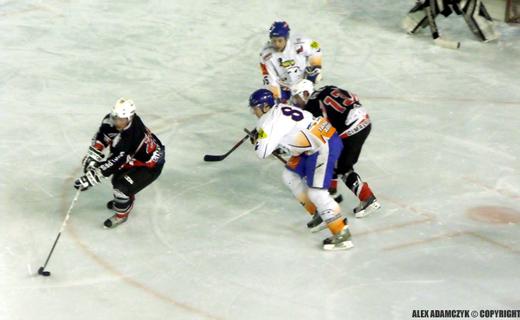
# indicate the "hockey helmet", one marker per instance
pixel 299 88
pixel 279 29
pixel 261 97
pixel 124 108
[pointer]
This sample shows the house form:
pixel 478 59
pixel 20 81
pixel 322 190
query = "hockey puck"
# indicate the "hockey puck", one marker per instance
pixel 43 273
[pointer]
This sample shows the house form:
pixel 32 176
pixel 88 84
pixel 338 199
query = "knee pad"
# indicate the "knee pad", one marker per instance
pixel 357 186
pixel 352 181
pixel 123 203
pixel 476 17
pixel 294 182
pixel 122 184
pixel 322 199
pixel 328 209
pixel 415 19
pixel 299 190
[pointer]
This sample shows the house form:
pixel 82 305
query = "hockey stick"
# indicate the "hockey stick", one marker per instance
pixel 274 154
pixel 279 157
pixel 435 32
pixel 42 271
pixel 210 157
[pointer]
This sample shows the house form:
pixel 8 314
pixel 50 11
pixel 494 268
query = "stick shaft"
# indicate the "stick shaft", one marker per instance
pixel 221 157
pixel 67 216
pixel 52 250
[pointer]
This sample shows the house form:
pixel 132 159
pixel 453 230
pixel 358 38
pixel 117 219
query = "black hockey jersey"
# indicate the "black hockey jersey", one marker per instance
pixel 341 108
pixel 134 146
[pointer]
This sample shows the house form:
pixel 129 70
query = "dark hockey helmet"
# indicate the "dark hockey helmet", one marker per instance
pixel 261 97
pixel 279 29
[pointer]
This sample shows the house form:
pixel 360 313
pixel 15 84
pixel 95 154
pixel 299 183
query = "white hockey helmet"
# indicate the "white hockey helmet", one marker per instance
pixel 124 108
pixel 299 88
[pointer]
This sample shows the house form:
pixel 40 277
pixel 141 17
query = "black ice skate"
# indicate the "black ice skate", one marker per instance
pixel 316 224
pixel 340 241
pixel 366 207
pixel 336 196
pixel 116 220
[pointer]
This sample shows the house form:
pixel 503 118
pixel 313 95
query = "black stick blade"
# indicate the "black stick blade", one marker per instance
pixel 210 157
pixel 43 273
pixel 221 157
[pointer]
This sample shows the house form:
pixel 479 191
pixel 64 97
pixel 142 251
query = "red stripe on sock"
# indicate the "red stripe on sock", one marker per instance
pixel 334 184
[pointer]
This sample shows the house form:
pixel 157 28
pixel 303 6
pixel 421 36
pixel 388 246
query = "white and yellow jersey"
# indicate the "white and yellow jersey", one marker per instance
pixel 288 67
pixel 292 129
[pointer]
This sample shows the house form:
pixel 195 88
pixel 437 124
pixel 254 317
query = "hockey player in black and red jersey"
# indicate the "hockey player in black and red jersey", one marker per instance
pixel 351 120
pixel 135 159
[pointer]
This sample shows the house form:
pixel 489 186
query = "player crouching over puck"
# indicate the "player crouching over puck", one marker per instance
pixel 135 159
pixel 314 147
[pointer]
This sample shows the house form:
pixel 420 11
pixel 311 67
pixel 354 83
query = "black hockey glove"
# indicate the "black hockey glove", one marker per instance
pixel 313 73
pixel 253 136
pixel 92 159
pixel 282 151
pixel 91 178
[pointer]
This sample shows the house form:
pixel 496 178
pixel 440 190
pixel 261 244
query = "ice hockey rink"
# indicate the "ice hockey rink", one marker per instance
pixel 226 240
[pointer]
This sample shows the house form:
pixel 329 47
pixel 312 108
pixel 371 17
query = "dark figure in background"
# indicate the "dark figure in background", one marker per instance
pixel 474 12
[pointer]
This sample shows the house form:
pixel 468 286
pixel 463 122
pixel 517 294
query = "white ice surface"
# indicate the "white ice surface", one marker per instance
pixel 226 240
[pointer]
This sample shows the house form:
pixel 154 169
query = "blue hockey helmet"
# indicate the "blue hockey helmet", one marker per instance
pixel 261 97
pixel 279 29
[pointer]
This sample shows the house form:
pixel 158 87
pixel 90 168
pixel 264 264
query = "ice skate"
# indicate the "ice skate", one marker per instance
pixel 340 241
pixel 116 220
pixel 316 224
pixel 366 207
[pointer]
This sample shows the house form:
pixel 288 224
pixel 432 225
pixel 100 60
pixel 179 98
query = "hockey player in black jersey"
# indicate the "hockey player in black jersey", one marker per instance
pixel 135 158
pixel 351 120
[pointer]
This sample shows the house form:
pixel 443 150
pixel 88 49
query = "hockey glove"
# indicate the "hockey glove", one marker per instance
pixel 282 151
pixel 92 159
pixel 253 136
pixel 91 178
pixel 313 73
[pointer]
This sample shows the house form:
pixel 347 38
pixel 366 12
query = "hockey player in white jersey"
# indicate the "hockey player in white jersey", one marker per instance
pixel 285 61
pixel 314 147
